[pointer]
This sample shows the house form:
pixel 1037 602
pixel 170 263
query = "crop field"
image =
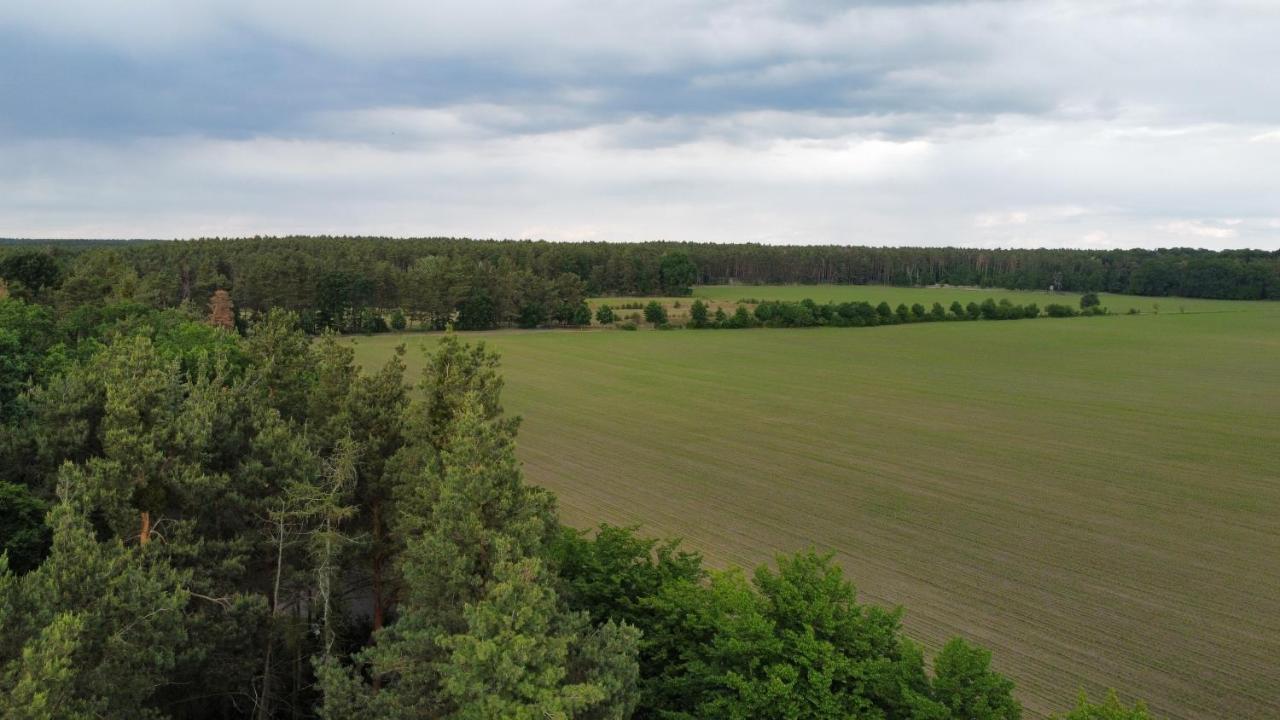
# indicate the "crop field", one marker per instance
pixel 1097 500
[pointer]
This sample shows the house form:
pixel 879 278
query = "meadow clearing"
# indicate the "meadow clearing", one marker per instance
pixel 1097 500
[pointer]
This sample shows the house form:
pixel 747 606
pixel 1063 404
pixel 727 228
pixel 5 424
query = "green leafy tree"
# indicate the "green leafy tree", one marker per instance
pixel 655 313
pixel 398 320
pixel 792 643
pixel 698 314
pixel 581 314
pixel 604 315
pixel 1089 300
pixel 966 684
pixel 937 312
pixel 30 272
pixel 1109 709
pixel 886 314
pixel 958 311
pixel 678 273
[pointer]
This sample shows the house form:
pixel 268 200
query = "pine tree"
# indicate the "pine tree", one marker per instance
pixel 511 661
pixel 92 632
pixel 472 532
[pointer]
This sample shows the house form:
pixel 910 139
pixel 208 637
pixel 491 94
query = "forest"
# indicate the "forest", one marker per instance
pixel 357 284
pixel 209 518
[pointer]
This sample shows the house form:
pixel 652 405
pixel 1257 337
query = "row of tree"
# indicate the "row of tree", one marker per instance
pixel 348 283
pixel 197 523
pixel 807 313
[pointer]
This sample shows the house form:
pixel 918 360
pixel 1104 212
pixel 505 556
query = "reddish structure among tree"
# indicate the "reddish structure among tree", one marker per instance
pixel 220 312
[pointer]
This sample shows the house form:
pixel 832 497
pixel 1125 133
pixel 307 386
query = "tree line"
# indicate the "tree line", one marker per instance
pixel 807 313
pixel 353 283
pixel 205 520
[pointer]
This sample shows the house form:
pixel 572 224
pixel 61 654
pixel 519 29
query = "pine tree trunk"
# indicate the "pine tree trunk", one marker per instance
pixel 264 706
pixel 145 536
pixel 377 566
pixel 377 579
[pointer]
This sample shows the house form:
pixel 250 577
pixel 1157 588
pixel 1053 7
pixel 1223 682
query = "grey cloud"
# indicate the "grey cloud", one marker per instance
pixel 776 120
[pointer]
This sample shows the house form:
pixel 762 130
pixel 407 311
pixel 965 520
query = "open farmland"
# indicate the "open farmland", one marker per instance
pixel 1097 500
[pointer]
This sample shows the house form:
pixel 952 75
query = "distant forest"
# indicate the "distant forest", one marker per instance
pixel 346 283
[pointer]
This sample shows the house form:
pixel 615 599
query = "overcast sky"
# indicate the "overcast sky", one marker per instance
pixel 1073 124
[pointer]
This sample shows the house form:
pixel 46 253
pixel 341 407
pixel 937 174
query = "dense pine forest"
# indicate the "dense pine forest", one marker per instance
pixel 353 284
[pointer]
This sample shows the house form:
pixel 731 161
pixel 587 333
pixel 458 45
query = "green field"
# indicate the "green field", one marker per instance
pixel 1097 500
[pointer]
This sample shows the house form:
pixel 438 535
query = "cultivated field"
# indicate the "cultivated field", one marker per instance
pixel 1097 500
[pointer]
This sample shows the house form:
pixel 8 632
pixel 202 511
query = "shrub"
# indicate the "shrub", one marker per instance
pixel 604 315
pixel 654 313
pixel 629 325
pixel 886 313
pixel 581 315
pixel 398 320
pixel 698 314
pixel 1059 311
pixel 1089 300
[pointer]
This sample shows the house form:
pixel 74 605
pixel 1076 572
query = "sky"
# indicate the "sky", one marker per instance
pixel 989 124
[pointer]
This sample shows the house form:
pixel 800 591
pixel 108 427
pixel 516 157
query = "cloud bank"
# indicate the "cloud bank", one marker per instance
pixel 1072 124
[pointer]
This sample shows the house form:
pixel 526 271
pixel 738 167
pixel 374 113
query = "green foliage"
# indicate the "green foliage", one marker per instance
pixel 792 643
pixel 678 273
pixel 398 320
pixel 966 685
pixel 655 313
pixel 30 272
pixel 511 660
pixel 480 629
pixel 581 315
pixel 885 313
pixel 698 314
pixel 1109 709
pixel 1089 300
pixel 454 375
pixel 92 632
pixel 27 335
pixel 604 315
pixel 23 535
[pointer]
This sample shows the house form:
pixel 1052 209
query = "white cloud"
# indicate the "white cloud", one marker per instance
pixel 1198 229
pixel 989 220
